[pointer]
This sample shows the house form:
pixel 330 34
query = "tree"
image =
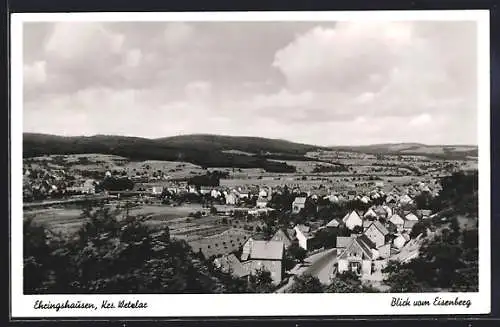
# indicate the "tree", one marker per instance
pixel 213 210
pixel 306 284
pixel 357 229
pixel 327 238
pixel 403 281
pixel 116 256
pixel 347 282
pixel 297 252
pixel 261 282
pixel 417 229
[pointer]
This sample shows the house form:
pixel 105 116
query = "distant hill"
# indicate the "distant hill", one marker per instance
pixel 432 151
pixel 203 150
pixel 239 143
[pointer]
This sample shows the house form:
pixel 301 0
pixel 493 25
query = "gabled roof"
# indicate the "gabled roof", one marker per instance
pixel 299 200
pixel 351 215
pixel 363 242
pixel 396 219
pixel 409 223
pixel 271 250
pixel 333 223
pixel 281 235
pixel 380 227
pixel 411 216
pixel 367 242
pixel 303 228
pixel 344 241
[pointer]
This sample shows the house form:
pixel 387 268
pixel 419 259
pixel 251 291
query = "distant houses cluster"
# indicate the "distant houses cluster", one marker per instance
pixel 374 236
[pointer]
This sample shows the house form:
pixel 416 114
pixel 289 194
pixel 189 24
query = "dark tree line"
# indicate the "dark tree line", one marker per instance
pixel 449 260
pixel 108 256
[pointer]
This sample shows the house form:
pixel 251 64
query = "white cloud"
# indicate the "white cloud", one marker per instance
pixel 422 119
pixel 35 73
pixel 77 41
pixel 133 58
pixel 328 84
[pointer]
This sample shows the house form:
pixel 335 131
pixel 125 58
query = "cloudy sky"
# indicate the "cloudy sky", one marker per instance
pixel 322 83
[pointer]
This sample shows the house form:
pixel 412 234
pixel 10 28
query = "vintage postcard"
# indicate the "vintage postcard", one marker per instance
pixel 250 164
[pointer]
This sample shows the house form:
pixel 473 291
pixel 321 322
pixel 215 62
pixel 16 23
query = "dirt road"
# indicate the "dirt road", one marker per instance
pixel 319 265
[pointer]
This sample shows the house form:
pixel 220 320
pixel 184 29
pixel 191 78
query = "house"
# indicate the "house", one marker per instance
pixel 267 255
pixel 424 214
pixel 204 190
pixel 400 240
pixel 231 198
pixel 405 199
pixel 283 236
pixel 379 184
pixel 243 193
pixel 410 221
pixel 261 203
pixel 390 199
pixel 357 256
pixel 388 210
pixel 365 199
pixel 89 186
pixel 264 193
pixel 352 220
pixel 155 190
pixel 332 198
pixel 230 264
pixel 334 223
pixel 215 193
pixel 298 204
pixel 377 233
pixel 397 221
pixel 303 235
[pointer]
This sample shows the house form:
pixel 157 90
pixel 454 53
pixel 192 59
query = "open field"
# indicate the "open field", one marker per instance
pixel 68 220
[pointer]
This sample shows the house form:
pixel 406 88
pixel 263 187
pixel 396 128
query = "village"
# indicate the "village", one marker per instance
pixel 321 223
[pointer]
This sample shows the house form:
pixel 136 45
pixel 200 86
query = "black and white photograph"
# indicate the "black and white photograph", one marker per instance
pixel 171 158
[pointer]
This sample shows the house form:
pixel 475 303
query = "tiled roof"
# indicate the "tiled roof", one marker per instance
pixel 271 250
pixel 396 219
pixel 343 241
pixel 232 264
pixel 353 214
pixel 366 244
pixel 380 227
